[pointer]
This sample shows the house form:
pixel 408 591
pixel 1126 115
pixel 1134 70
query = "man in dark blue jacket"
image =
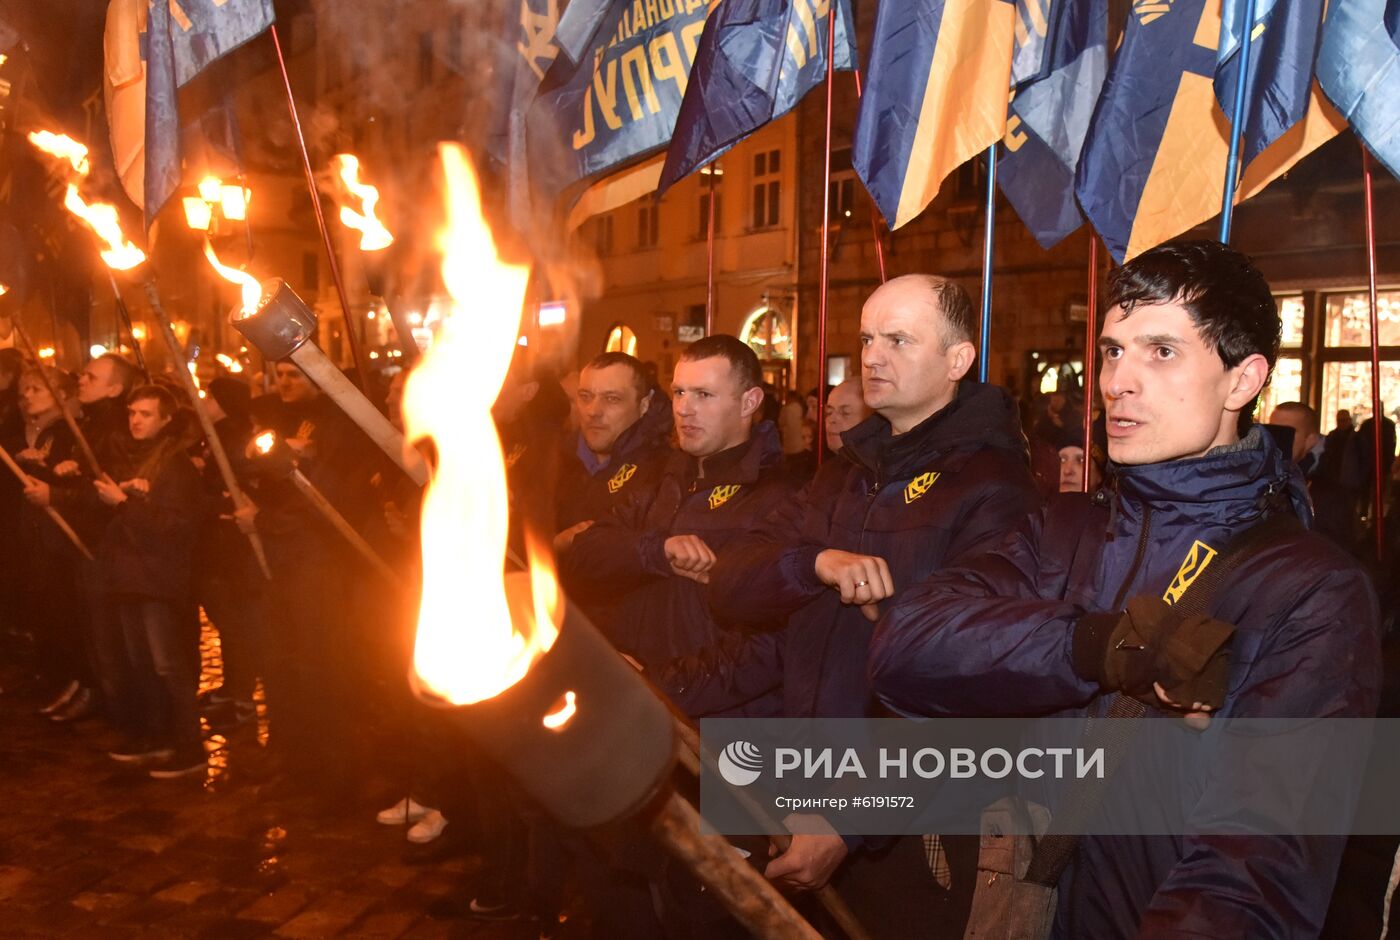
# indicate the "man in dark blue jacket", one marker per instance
pixel 939 471
pixel 657 548
pixel 1189 339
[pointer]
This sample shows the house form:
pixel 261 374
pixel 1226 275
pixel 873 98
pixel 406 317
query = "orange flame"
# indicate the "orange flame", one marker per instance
pixel 373 234
pixel 63 147
pixel 265 441
pixel 251 287
pixel 4 289
pixel 120 254
pixel 473 641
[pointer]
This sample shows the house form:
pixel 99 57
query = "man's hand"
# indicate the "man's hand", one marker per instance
pixel 31 455
pixel 301 446
pixel 565 540
pixel 138 485
pixel 66 468
pixel 109 493
pixel 690 557
pixel 860 579
pixel 812 858
pixel 246 516
pixel 37 492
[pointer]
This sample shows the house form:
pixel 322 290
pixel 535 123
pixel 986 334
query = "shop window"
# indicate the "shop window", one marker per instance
pixel 768 334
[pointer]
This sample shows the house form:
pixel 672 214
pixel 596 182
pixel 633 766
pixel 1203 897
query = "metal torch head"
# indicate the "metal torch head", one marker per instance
pixel 582 732
pixel 280 325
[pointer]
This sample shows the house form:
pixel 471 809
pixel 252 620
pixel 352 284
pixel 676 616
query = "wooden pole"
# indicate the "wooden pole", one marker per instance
pixel 85 448
pixel 58 520
pixel 322 505
pixel 216 446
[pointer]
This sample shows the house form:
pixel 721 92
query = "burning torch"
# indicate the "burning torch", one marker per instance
pixel 527 675
pixel 374 238
pixel 122 255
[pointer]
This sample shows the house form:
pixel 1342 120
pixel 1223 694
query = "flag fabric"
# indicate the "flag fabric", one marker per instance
pixel 1392 21
pixel 1286 34
pixel 1359 69
pixel 1153 164
pixel 756 60
pixel 152 50
pixel 935 96
pixel 1049 113
pixel 619 102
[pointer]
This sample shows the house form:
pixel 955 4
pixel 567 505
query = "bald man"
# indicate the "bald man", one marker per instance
pixel 940 471
pixel 845 408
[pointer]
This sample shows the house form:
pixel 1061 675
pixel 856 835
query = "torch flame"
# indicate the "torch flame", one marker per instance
pixel 4 289
pixel 251 287
pixel 120 254
pixel 473 642
pixel 373 234
pixel 63 147
pixel 265 441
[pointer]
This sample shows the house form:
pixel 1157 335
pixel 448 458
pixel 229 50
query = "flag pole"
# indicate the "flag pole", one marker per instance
pixel 989 237
pixel 874 212
pixel 1091 329
pixel 825 269
pixel 1377 418
pixel 1237 120
pixel 353 338
pixel 710 258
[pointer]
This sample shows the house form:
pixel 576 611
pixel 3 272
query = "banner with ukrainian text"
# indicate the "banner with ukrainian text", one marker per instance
pixel 620 102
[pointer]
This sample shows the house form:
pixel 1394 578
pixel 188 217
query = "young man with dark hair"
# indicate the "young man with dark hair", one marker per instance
pixel 145 558
pixel 1189 339
pixel 621 446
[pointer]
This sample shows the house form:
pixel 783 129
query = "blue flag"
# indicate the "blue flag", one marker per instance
pixel 619 102
pixel 1392 21
pixel 936 97
pixel 1359 69
pixel 757 58
pixel 1286 36
pixel 1049 114
pixel 152 50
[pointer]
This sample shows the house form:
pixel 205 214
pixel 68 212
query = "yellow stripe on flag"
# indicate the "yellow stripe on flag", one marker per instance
pixel 964 106
pixel 617 190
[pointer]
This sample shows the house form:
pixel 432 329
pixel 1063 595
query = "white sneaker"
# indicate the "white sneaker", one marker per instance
pixel 406 810
pixel 428 828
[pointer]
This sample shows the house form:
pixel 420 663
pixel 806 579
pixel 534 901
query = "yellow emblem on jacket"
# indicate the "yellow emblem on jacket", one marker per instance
pixel 620 478
pixel 1196 561
pixel 920 485
pixel 722 494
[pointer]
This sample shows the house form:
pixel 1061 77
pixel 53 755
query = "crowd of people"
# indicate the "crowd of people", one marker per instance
pixel 930 555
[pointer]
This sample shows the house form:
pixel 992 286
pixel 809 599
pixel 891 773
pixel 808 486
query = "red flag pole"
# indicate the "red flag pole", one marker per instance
pixel 1091 329
pixel 826 237
pixel 874 212
pixel 1377 419
pixel 710 258
pixel 362 375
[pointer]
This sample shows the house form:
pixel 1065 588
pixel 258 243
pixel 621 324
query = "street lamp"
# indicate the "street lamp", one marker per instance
pixel 231 201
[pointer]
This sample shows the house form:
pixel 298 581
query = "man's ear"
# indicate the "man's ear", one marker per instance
pixel 646 401
pixel 1250 376
pixel 751 401
pixel 961 356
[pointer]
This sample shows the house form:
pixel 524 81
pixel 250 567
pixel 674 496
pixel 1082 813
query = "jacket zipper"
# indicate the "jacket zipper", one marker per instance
pixel 1137 558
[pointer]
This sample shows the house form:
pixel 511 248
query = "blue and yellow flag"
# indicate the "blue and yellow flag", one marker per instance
pixel 1049 114
pixel 1359 69
pixel 619 102
pixel 757 59
pixel 1153 164
pixel 1281 55
pixel 935 97
pixel 152 50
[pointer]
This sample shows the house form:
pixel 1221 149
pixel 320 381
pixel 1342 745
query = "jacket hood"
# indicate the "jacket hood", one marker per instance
pixel 649 431
pixel 1232 483
pixel 979 416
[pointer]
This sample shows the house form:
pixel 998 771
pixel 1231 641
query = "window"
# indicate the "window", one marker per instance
pixel 1346 369
pixel 843 197
pixel 767 189
pixel 702 228
pixel 970 180
pixel 1349 319
pixel 621 339
pixel 648 219
pixel 1287 381
pixel 768 334
pixel 603 234
pixel 310 270
pixel 425 59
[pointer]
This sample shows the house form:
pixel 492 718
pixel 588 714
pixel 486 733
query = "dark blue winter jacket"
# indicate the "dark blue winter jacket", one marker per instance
pixel 663 619
pixel 993 638
pixel 953 485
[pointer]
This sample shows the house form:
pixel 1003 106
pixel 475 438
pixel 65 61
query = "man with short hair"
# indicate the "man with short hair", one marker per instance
pixel 939 471
pixel 845 408
pixel 621 446
pixel 1037 626
pixel 145 558
pixel 1307 441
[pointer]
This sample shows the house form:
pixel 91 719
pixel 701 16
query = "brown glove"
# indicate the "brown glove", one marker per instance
pixel 1150 642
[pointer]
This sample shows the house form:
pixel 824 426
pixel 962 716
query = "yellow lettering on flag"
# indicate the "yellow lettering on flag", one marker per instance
pixel 539 30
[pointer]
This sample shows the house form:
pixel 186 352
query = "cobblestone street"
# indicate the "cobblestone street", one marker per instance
pixel 91 848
